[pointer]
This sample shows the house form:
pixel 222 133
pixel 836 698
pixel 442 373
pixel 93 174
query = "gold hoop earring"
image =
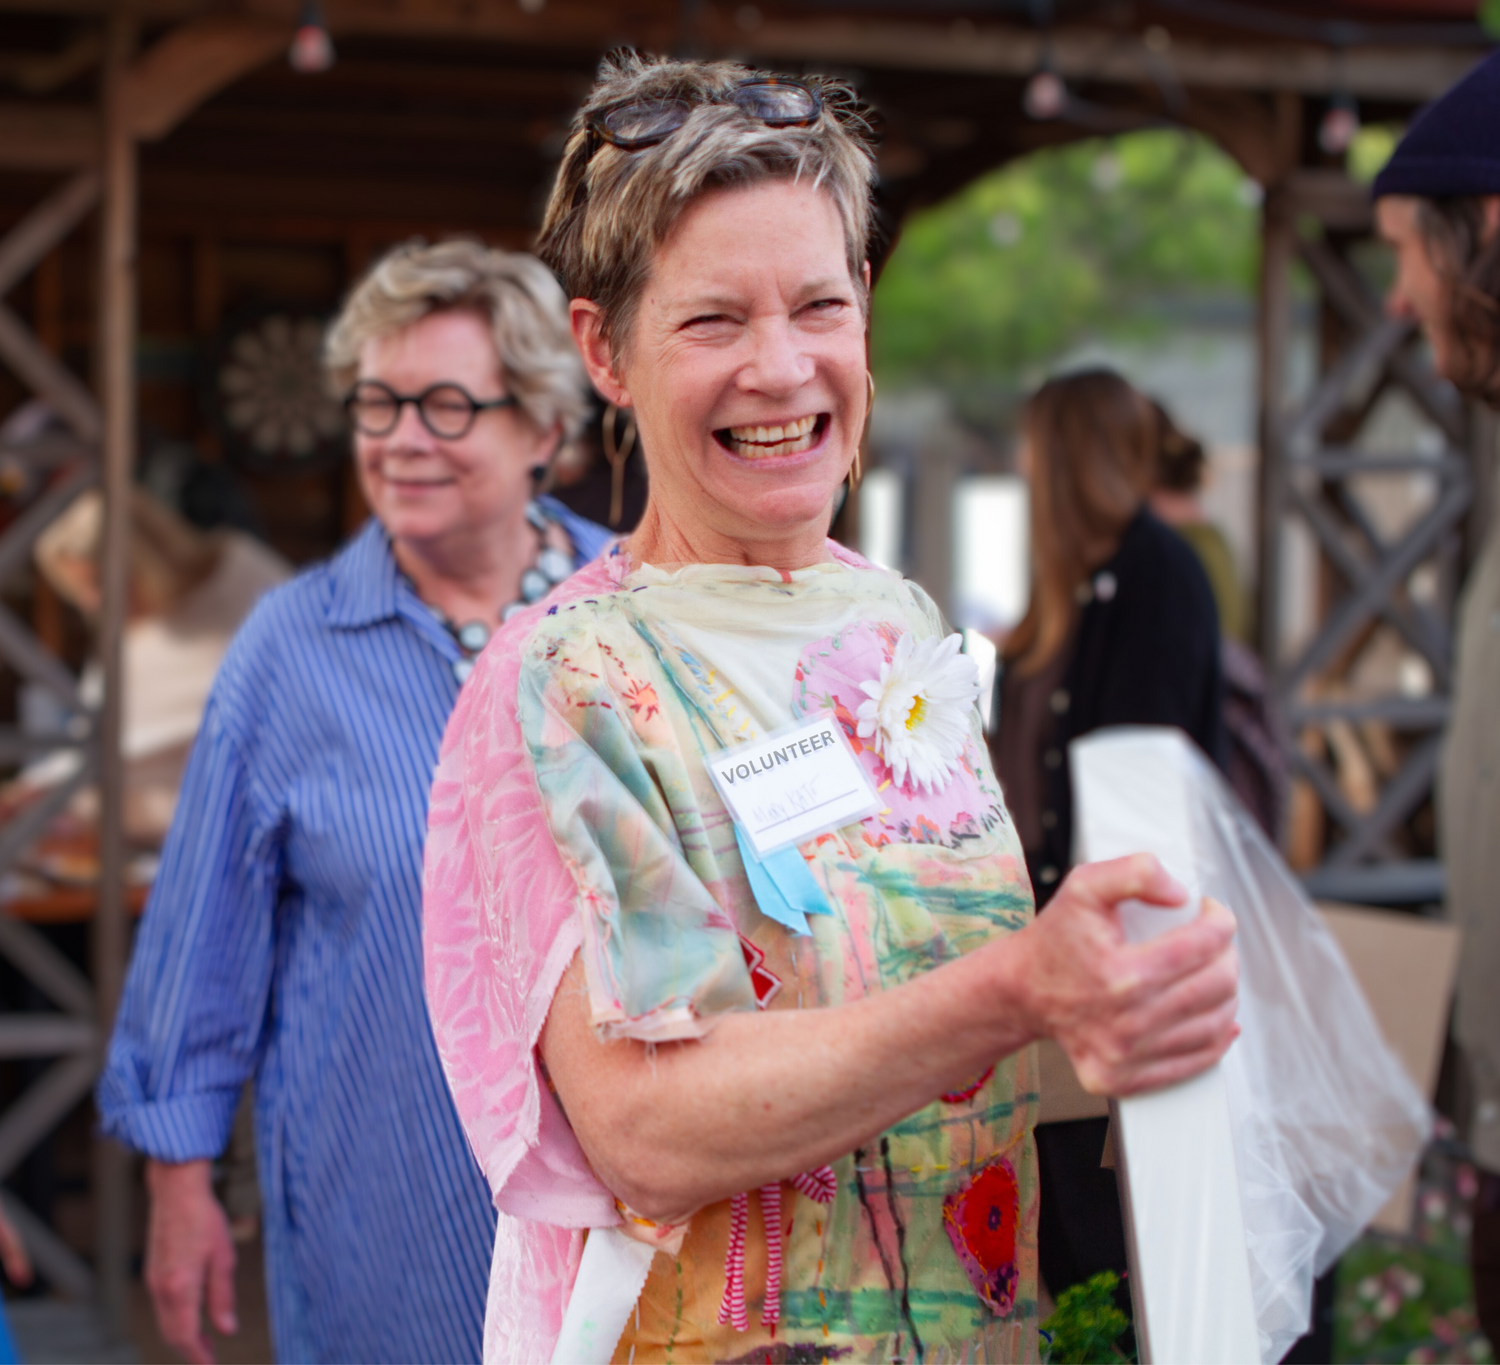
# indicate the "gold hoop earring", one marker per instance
pixel 617 451
pixel 856 470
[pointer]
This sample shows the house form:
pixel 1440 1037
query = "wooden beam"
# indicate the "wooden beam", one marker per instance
pixel 44 227
pixel 1082 54
pixel 118 320
pixel 48 137
pixel 167 82
pixel 48 377
pixel 1078 53
pixel 147 11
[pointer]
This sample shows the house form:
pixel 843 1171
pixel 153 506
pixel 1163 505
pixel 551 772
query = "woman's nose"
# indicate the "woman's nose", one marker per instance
pixel 780 363
pixel 410 431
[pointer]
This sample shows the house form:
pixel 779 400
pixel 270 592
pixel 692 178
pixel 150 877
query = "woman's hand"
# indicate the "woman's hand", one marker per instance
pixel 13 1253
pixel 1130 1017
pixel 189 1258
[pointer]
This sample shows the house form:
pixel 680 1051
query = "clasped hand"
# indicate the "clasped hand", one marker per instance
pixel 1130 1016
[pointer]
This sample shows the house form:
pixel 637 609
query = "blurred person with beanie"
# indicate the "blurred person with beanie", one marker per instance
pixel 1438 205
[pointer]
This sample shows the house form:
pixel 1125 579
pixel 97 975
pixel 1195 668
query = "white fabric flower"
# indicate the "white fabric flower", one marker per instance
pixel 917 716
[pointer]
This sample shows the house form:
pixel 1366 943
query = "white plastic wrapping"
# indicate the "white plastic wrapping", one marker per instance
pixel 1326 1123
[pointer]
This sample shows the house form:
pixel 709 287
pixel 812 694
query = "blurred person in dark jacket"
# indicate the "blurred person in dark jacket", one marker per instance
pixel 1121 629
pixel 1255 757
pixel 1438 205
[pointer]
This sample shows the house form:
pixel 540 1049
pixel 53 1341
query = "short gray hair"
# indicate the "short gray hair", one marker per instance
pixel 516 294
pixel 610 212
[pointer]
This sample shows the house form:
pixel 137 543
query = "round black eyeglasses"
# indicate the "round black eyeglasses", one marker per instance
pixel 448 411
pixel 776 101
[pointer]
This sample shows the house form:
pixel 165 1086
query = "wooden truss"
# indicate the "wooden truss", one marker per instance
pixel 72 1036
pixel 1313 473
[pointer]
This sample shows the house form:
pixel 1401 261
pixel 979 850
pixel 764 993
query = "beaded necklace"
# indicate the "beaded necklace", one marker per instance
pixel 553 563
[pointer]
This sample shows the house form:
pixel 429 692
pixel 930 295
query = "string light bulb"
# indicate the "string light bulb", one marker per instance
pixel 1046 95
pixel 312 48
pixel 1339 126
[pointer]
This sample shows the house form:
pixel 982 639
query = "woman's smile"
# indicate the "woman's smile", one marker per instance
pixel 781 438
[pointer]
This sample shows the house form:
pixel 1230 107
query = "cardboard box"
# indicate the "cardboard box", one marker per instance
pixel 1406 967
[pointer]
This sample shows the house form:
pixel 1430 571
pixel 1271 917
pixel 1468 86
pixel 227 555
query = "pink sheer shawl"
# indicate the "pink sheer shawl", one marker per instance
pixel 499 929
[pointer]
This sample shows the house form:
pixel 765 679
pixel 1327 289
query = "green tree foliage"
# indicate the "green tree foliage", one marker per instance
pixel 1088 239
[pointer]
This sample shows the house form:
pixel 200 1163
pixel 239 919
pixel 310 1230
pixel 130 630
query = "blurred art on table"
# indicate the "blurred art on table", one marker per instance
pixel 189 591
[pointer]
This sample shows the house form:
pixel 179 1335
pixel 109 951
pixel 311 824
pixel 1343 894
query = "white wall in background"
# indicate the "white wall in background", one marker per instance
pixel 991 575
pixel 881 516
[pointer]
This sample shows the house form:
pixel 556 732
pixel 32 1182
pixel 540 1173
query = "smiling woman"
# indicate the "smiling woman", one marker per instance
pixel 653 1005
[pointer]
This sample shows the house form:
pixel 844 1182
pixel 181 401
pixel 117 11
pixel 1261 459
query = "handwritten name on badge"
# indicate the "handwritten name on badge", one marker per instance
pixel 794 785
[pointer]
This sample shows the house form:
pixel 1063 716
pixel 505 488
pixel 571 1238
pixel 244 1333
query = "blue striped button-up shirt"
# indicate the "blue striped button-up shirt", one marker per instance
pixel 283 940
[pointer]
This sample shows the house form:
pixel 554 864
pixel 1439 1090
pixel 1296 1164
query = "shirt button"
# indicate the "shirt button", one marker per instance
pixel 1049 819
pixel 1047 875
pixel 1052 758
pixel 1059 701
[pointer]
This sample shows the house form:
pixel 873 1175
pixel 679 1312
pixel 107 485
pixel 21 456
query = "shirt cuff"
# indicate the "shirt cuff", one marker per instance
pixel 186 1128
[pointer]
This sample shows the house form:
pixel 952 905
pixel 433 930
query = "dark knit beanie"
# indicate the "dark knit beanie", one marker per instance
pixel 1453 145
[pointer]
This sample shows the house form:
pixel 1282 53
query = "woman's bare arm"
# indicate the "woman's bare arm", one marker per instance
pixel 765 1096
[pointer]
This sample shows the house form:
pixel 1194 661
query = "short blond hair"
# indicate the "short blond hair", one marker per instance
pixel 515 293
pixel 610 212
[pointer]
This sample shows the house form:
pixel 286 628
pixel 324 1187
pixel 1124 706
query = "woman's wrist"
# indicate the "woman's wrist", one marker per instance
pixel 178 1175
pixel 1010 1005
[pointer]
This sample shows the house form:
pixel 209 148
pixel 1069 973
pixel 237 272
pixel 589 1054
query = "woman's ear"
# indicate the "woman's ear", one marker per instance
pixel 587 320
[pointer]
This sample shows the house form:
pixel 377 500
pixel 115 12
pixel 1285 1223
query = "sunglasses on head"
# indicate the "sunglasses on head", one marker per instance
pixel 776 101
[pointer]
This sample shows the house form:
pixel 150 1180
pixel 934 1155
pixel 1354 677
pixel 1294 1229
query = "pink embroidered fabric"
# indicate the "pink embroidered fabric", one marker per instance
pixel 496 942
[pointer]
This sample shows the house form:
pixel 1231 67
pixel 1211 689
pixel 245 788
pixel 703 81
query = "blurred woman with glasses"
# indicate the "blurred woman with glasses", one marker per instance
pixel 283 937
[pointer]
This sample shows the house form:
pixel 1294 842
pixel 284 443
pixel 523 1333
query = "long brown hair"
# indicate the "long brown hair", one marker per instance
pixel 1467 253
pixel 1092 440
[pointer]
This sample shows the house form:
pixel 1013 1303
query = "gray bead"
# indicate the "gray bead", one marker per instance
pixel 539 519
pixel 534 585
pixel 512 610
pixel 1105 586
pixel 555 564
pixel 461 670
pixel 473 636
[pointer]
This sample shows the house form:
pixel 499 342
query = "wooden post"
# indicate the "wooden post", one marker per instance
pixel 117 320
pixel 1278 249
pixel 1275 333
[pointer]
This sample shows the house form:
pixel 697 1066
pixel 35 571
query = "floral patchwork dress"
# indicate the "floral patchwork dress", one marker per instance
pixel 573 813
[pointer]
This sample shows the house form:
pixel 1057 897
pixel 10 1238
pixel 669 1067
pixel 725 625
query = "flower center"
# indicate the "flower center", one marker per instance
pixel 917 712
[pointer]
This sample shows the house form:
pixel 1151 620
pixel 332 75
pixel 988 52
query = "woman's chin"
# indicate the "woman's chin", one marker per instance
pixel 780 512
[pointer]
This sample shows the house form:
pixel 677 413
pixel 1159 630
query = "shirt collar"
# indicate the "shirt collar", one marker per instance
pixel 365 580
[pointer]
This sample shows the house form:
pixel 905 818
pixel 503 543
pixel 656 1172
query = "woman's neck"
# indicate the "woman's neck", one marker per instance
pixel 662 539
pixel 473 575
pixel 1176 508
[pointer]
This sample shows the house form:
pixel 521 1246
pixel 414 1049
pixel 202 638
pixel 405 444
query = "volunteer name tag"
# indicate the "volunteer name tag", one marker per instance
pixel 800 783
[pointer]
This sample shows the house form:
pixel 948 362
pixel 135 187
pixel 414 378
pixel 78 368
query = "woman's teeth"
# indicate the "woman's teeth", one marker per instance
pixel 791 438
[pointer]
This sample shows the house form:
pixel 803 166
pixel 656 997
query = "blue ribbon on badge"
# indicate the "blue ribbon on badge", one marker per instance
pixel 784 889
